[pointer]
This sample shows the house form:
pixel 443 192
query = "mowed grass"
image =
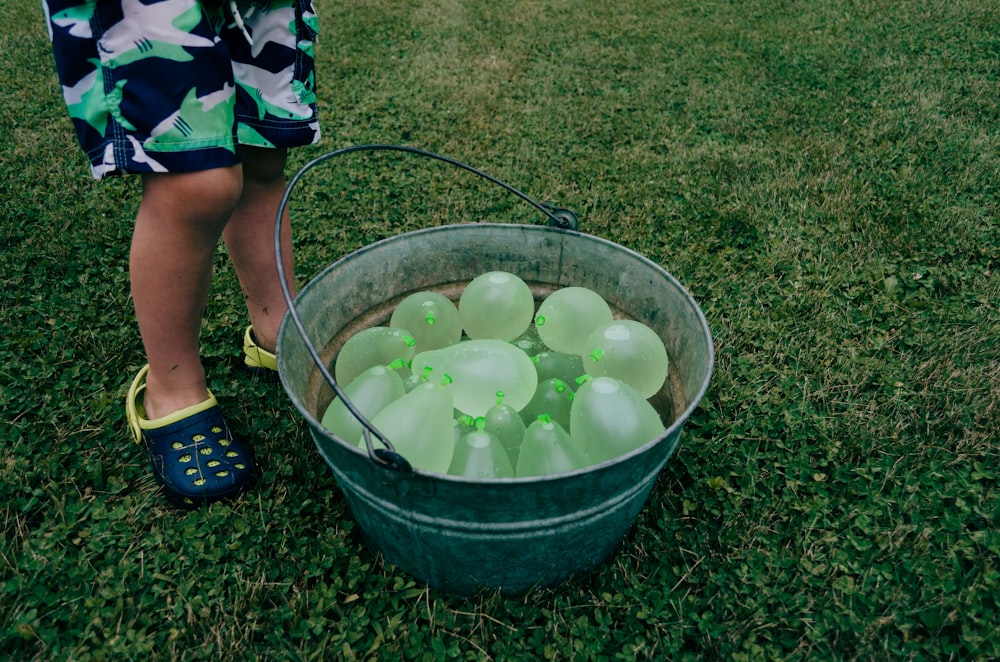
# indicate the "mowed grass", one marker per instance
pixel 821 176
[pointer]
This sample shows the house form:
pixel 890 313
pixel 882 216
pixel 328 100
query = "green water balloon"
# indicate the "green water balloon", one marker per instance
pixel 568 316
pixel 480 368
pixel 496 305
pixel 370 392
pixel 506 424
pixel 430 317
pixel 559 365
pixel 479 454
pixel 629 351
pixel 610 418
pixel 553 397
pixel 420 426
pixel 548 449
pixel 377 345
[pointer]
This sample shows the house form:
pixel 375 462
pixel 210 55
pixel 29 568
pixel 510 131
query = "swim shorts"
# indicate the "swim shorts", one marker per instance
pixel 178 85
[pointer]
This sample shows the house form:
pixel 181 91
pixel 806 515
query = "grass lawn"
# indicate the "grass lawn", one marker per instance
pixel 822 176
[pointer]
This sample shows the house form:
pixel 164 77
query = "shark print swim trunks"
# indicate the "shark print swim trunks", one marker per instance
pixel 178 85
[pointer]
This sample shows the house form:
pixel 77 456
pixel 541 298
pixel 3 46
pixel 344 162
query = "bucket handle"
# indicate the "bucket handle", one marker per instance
pixel 386 457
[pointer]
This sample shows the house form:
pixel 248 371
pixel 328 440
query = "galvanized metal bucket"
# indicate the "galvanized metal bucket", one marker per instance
pixel 516 534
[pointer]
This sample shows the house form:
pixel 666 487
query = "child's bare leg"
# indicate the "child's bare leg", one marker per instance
pixel 181 217
pixel 249 238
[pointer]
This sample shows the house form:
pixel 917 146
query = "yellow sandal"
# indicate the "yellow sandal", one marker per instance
pixel 255 357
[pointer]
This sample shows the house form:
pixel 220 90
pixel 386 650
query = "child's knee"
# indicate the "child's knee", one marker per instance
pixel 207 196
pixel 263 166
pixel 219 190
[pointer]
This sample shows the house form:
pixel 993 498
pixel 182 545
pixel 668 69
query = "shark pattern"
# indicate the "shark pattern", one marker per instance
pixel 281 30
pixel 209 118
pixel 109 164
pixel 262 83
pixel 139 156
pixel 165 29
pixel 77 19
pixel 85 100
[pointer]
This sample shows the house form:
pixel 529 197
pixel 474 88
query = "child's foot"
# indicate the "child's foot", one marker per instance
pixel 256 358
pixel 193 454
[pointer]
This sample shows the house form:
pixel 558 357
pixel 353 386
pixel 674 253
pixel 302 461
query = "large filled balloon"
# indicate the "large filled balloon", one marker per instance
pixel 548 449
pixel 477 370
pixel 370 392
pixel 629 351
pixel 431 319
pixel 378 345
pixel 610 418
pixel 568 316
pixel 419 425
pixel 479 454
pixel 496 305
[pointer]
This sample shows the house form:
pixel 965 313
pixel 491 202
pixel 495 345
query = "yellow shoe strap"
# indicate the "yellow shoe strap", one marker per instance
pixel 136 420
pixel 256 356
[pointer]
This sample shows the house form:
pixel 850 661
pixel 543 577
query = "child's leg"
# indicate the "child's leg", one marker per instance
pixel 249 238
pixel 181 217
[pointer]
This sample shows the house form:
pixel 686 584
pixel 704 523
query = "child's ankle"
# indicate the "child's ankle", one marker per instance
pixel 163 400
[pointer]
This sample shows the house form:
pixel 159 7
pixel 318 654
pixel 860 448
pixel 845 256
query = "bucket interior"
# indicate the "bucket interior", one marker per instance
pixel 373 280
pixel 667 401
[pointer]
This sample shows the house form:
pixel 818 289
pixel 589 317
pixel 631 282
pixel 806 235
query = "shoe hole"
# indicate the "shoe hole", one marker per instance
pixel 184 459
pixel 200 482
pixel 216 429
pixel 190 472
pixel 222 474
pixel 198 438
pixel 177 445
pixel 224 442
pixel 232 454
pixel 240 466
pixel 206 451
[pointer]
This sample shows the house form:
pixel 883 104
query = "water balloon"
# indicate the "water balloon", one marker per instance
pixel 559 365
pixel 610 418
pixel 568 316
pixel 419 425
pixel 370 392
pixel 629 351
pixel 553 397
pixel 377 345
pixel 496 305
pixel 480 368
pixel 479 454
pixel 430 317
pixel 529 342
pixel 506 424
pixel 548 449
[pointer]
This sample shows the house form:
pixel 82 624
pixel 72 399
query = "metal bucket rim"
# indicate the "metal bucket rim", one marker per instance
pixel 674 427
